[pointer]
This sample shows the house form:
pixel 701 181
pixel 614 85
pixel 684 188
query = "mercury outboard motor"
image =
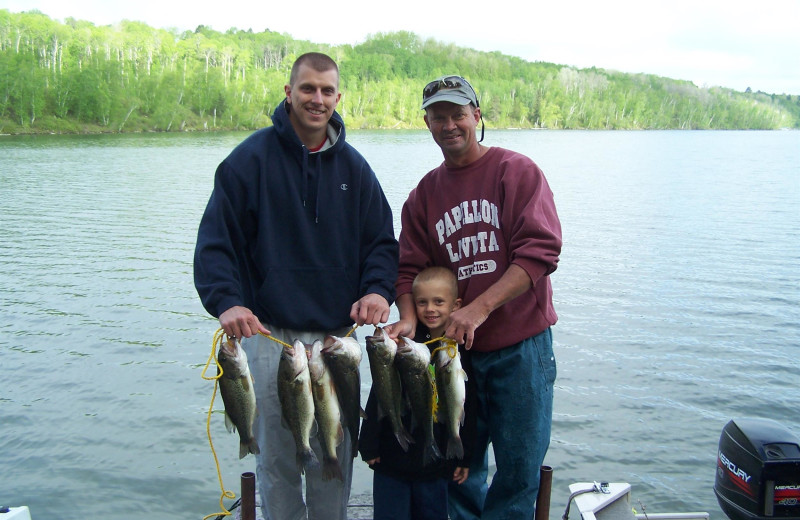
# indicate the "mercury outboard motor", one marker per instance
pixel 758 471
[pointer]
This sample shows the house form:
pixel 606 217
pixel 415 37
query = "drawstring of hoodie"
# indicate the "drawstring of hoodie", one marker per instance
pixel 306 175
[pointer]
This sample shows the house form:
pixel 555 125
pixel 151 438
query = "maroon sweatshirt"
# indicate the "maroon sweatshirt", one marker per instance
pixel 478 220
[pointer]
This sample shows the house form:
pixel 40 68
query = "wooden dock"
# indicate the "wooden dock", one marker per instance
pixel 359 508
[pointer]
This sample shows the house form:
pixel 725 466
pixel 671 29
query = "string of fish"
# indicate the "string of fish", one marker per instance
pixel 216 342
pixel 447 344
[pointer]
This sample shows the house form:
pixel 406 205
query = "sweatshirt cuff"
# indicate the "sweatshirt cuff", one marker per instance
pixel 535 269
pixel 225 304
pixel 388 294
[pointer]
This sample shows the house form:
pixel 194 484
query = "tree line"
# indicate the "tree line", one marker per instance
pixel 78 77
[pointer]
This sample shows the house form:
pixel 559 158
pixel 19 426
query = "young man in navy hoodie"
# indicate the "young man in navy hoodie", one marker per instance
pixel 296 241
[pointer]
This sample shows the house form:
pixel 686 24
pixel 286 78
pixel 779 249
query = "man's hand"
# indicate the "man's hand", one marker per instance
pixel 371 309
pixel 464 321
pixel 240 322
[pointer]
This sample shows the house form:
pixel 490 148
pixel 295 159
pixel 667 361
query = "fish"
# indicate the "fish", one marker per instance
pixel 297 402
pixel 326 412
pixel 343 357
pixel 238 395
pixel 451 387
pixel 412 360
pixel 381 350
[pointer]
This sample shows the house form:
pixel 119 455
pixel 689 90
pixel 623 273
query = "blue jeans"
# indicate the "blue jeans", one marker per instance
pixel 514 387
pixel 396 499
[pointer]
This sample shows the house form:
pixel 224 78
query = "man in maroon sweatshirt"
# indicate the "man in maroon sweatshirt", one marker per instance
pixel 489 215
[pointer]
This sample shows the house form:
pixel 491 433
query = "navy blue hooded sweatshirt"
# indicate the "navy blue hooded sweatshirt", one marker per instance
pixel 296 237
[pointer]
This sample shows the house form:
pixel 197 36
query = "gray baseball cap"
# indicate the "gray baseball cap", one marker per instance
pixel 452 88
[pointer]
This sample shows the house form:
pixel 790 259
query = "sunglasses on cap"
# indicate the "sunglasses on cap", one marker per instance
pixel 449 83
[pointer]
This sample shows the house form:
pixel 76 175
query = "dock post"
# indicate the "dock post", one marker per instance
pixel 543 498
pixel 248 496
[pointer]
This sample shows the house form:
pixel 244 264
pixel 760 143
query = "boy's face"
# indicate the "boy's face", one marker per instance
pixel 435 302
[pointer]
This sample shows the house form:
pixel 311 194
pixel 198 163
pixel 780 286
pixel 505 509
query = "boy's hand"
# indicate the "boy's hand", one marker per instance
pixel 404 328
pixel 460 475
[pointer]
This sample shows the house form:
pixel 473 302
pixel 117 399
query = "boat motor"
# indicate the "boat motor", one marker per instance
pixel 758 471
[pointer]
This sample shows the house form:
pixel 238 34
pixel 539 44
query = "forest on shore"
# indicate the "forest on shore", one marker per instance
pixel 76 77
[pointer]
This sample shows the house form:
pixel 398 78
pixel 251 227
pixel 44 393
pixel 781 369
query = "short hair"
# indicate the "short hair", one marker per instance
pixel 317 61
pixel 437 273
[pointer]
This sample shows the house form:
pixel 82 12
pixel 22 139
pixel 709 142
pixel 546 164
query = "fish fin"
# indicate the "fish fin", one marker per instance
pixel 331 469
pixel 246 382
pixel 455 448
pixel 229 424
pixel 464 373
pixel 339 434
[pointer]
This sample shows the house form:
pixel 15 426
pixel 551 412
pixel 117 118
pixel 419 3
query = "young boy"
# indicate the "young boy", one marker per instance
pixel 403 486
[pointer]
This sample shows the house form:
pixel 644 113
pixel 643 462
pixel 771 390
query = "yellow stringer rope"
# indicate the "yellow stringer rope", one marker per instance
pixel 218 338
pixel 452 350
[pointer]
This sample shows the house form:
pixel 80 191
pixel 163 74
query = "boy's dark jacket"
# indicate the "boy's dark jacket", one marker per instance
pixel 297 237
pixel 377 438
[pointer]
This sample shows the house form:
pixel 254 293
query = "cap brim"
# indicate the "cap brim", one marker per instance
pixel 449 97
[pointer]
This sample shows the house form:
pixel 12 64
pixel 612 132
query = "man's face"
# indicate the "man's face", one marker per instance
pixel 453 127
pixel 313 98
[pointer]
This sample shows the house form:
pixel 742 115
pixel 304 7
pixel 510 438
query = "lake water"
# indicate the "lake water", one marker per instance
pixel 678 294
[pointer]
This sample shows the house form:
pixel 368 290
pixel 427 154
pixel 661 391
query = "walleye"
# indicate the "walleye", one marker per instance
pixel 451 386
pixel 343 356
pixel 236 388
pixel 381 350
pixel 412 362
pixel 297 401
pixel 326 411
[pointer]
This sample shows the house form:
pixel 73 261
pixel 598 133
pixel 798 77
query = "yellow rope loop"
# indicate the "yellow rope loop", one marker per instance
pixel 218 339
pixel 449 344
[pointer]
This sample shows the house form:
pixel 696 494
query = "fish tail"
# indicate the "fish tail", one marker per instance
pixel 455 448
pixel 403 438
pixel 331 469
pixel 431 453
pixel 247 447
pixel 307 460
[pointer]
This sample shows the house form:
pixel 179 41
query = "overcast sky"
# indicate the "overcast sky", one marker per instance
pixel 728 43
